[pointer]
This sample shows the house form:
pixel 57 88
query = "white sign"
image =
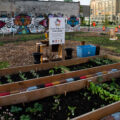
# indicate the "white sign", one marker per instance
pixel 56 30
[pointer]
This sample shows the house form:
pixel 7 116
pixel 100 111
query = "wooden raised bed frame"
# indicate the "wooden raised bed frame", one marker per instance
pixel 50 65
pixel 21 85
pixel 64 88
pixel 18 86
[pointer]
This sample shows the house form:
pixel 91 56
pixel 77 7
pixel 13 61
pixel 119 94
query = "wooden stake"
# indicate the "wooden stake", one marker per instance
pixel 60 51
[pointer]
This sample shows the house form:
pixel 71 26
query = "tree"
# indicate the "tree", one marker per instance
pixel 106 22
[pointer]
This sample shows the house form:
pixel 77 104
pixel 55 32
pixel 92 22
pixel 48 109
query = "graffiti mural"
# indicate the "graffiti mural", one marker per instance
pixel 2 24
pixel 73 21
pixel 7 26
pixel 44 23
pixel 73 24
pixel 37 25
pixel 25 24
pixel 22 21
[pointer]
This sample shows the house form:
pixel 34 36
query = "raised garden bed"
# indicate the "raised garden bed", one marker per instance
pixel 32 74
pixel 85 98
pixel 13 88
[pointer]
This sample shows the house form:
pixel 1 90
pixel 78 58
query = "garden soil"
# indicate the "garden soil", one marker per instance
pixel 20 53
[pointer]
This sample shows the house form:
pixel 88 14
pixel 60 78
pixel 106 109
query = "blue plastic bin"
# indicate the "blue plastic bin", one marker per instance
pixel 86 50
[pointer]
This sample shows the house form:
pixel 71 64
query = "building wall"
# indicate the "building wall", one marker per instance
pixel 25 15
pixel 46 7
pixel 34 7
pixel 7 7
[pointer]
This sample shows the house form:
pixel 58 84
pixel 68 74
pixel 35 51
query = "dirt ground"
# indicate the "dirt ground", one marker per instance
pixel 20 54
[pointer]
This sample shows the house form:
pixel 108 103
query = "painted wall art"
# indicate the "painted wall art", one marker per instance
pixel 25 24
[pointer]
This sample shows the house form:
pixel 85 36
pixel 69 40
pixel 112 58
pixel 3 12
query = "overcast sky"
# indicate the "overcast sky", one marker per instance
pixel 84 2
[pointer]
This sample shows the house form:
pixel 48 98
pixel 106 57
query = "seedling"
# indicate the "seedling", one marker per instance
pixel 85 94
pixel 22 76
pixel 56 102
pixel 9 80
pixel 34 73
pixel 25 117
pixel 15 109
pixel 37 108
pixel 51 72
pixel 105 95
pixel 72 110
pixel 89 97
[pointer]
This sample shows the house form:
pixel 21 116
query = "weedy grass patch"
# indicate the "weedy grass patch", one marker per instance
pixel 4 65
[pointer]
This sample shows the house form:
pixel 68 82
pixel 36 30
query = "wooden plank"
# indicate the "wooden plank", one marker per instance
pixel 28 83
pixel 100 113
pixel 45 66
pixel 45 92
pixel 112 57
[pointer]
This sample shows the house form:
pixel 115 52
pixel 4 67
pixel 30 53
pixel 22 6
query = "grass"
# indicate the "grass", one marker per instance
pixel 4 65
pixel 22 38
pixel 1 43
pixel 102 41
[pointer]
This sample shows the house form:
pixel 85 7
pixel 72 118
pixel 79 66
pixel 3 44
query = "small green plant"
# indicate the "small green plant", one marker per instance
pixel 22 76
pixel 34 74
pixel 25 117
pixel 64 69
pixel 15 109
pixel 72 110
pixel 9 80
pixel 51 72
pixel 37 108
pixel 85 94
pixel 104 94
pixel 99 78
pixel 4 65
pixel 56 102
pixel 89 97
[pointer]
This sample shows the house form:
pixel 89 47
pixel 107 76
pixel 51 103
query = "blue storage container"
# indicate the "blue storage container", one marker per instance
pixel 86 50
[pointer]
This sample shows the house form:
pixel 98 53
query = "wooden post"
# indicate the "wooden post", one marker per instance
pixel 38 47
pixel 41 51
pixel 60 51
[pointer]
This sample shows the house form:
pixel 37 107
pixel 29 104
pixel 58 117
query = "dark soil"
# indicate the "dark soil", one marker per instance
pixel 76 99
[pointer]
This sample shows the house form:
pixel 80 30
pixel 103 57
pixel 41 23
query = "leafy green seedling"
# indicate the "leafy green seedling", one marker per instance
pixel 25 117
pixel 51 72
pixel 9 80
pixel 37 108
pixel 89 97
pixel 22 76
pixel 72 110
pixel 15 109
pixel 34 74
pixel 56 102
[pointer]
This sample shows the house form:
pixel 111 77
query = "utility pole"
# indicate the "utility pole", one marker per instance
pixel 89 20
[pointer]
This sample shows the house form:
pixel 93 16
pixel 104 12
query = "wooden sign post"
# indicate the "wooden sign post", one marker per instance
pixel 57 33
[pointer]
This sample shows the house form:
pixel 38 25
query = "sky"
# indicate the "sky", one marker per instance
pixel 84 2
